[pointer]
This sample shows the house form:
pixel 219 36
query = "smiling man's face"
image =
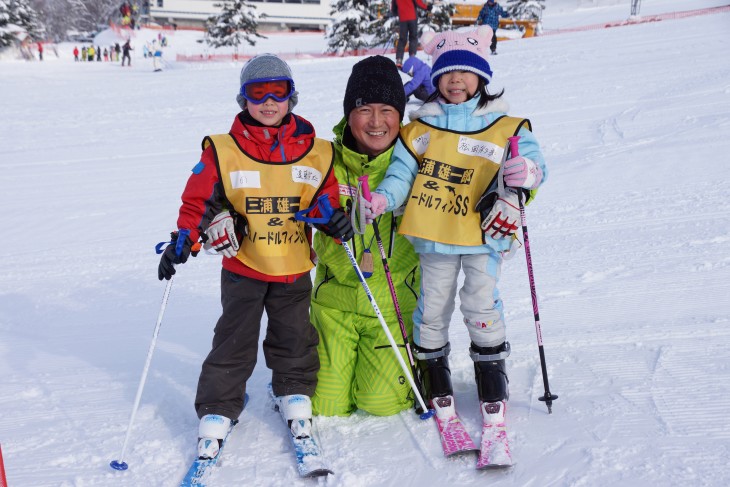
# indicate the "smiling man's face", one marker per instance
pixel 374 126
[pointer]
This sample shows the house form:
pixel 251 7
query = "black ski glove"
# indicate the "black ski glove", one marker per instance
pixel 339 226
pixel 169 257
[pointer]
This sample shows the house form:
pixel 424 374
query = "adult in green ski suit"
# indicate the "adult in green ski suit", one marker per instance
pixel 358 369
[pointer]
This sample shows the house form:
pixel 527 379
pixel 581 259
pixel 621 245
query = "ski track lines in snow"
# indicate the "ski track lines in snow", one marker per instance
pixel 665 99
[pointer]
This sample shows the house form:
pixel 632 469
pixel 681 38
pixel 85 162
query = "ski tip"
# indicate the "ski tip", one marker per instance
pixel 427 415
pixel 119 465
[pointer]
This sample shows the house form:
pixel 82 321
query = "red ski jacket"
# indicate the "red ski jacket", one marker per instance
pixel 407 9
pixel 204 196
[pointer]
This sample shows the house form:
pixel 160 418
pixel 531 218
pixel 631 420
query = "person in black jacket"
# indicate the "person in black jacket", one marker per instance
pixel 125 53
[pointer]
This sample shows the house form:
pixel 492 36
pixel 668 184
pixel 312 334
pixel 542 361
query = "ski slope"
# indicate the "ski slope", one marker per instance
pixel 630 241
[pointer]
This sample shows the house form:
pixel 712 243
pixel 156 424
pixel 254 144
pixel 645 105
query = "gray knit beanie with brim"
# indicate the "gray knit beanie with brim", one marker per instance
pixel 265 66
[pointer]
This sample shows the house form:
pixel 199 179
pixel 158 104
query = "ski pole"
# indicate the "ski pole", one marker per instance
pixel 326 210
pixel 121 464
pixel 3 480
pixel 387 42
pixel 366 194
pixel 548 397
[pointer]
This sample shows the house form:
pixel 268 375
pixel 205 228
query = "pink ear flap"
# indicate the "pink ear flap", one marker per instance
pixel 485 32
pixel 426 42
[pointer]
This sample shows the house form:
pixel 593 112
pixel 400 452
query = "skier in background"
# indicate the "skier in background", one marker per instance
pixel 476 227
pixel 126 48
pixel 157 56
pixel 271 165
pixel 76 53
pixel 489 15
pixel 407 26
pixel 40 51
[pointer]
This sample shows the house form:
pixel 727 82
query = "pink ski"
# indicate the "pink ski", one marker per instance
pixel 454 437
pixel 494 451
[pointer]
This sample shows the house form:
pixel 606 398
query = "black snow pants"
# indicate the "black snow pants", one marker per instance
pixel 290 344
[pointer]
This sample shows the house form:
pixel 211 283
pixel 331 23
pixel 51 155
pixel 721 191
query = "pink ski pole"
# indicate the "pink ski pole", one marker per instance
pixel 3 480
pixel 548 397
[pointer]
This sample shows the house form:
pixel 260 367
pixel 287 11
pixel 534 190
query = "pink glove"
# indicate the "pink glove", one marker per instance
pixel 375 207
pixel 521 172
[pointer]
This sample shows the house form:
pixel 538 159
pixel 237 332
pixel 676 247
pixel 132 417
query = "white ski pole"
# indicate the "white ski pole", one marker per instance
pixel 121 464
pixel 427 413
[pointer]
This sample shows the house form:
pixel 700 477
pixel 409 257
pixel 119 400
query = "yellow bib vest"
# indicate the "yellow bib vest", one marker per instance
pixel 454 170
pixel 268 194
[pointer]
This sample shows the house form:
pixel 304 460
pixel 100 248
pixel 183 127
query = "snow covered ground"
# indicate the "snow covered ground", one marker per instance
pixel 630 241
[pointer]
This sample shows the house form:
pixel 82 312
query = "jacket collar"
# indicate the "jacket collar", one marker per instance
pixel 293 129
pixel 441 108
pixel 352 159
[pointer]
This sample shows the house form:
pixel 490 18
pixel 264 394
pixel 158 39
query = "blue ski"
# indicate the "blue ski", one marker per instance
pixel 310 461
pixel 201 469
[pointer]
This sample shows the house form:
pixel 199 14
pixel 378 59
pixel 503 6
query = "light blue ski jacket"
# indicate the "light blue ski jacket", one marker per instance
pixel 463 117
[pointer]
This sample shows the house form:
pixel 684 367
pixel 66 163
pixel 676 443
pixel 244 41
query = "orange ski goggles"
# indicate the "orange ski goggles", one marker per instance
pixel 259 90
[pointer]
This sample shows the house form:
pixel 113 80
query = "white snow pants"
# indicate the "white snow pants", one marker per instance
pixel 480 302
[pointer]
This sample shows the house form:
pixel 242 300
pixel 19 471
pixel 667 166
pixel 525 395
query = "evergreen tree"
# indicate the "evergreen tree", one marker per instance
pixel 61 16
pixel 237 22
pixel 18 15
pixel 438 19
pixel 350 26
pixel 525 9
pixel 384 24
pixel 6 34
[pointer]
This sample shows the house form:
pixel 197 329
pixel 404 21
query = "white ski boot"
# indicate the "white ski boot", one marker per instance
pixel 211 432
pixel 444 406
pixel 492 412
pixel 296 410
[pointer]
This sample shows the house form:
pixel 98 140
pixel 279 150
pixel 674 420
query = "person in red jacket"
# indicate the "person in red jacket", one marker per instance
pixel 408 26
pixel 76 53
pixel 265 169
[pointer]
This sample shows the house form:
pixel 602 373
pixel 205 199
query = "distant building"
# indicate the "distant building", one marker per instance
pixel 280 14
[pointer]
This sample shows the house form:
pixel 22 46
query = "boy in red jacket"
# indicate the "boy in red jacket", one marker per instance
pixel 267 167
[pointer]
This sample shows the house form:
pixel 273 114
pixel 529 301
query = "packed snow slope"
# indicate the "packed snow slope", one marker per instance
pixel 630 242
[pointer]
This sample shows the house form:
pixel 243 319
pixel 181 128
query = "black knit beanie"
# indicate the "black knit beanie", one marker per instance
pixel 375 80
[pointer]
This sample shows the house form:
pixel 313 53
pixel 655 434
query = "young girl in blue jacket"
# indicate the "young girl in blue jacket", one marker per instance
pixel 446 168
